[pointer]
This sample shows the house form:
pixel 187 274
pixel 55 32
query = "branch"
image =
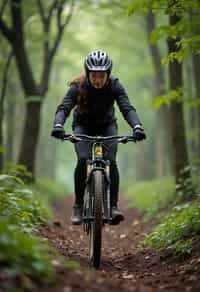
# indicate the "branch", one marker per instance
pixel 5 79
pixel 46 19
pixel 6 31
pixel 49 53
pixel 61 27
pixel 41 11
pixel 59 14
pixel 3 7
pixel 51 9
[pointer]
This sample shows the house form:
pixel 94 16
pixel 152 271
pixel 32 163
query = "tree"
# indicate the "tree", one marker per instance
pixel 16 38
pixel 177 33
pixel 179 149
pixel 2 97
pixel 162 132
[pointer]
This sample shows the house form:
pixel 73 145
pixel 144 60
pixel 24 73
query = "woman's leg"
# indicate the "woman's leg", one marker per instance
pixel 110 152
pixel 83 151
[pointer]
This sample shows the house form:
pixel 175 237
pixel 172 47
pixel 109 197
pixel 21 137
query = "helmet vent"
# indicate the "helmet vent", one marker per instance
pixel 98 61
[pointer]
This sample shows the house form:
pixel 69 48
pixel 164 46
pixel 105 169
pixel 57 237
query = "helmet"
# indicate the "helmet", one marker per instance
pixel 98 61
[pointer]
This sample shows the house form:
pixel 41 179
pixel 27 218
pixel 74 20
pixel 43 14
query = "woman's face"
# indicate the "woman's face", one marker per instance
pixel 98 79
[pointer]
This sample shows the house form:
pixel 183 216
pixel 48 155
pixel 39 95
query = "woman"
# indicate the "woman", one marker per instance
pixel 93 94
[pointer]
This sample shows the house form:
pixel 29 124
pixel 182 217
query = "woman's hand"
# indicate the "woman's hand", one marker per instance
pixel 58 131
pixel 139 133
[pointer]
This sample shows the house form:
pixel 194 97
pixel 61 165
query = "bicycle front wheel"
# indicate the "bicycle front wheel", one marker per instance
pixel 96 224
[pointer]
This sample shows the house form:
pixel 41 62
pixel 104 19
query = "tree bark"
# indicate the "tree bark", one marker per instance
pixel 196 68
pixel 27 154
pixel 180 154
pixel 162 118
pixel 2 98
pixel 10 126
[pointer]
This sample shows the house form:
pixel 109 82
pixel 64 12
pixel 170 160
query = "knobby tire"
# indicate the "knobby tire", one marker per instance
pixel 96 225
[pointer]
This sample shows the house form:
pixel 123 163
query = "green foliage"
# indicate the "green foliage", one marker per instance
pixel 138 6
pixel 177 96
pixel 72 265
pixel 22 254
pixel 169 7
pixel 178 230
pixel 173 95
pixel 150 196
pixel 2 149
pixel 19 205
pixel 17 170
pixel 185 31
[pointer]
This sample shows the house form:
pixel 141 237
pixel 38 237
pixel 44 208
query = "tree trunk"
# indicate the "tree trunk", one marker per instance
pixel 10 126
pixel 196 68
pixel 27 155
pixel 10 132
pixel 162 114
pixel 180 155
pixel 1 139
pixel 2 98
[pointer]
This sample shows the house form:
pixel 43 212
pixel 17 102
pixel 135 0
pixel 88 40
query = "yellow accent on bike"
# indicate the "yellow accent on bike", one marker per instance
pixel 108 169
pixel 98 151
pixel 89 167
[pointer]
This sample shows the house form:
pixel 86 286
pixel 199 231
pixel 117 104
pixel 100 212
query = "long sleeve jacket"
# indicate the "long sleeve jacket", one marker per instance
pixel 100 108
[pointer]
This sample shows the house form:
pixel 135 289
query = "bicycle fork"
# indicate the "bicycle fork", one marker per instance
pixel 89 196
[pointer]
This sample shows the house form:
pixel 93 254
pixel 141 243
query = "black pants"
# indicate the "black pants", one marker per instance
pixel 84 152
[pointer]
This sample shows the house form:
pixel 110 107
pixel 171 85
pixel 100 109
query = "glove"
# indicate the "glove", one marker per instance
pixel 58 131
pixel 139 133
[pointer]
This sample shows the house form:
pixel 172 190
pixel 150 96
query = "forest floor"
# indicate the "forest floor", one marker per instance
pixel 126 264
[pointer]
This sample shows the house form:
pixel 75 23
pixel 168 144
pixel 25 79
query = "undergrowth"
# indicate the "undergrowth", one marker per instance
pixel 25 258
pixel 179 221
pixel 177 232
pixel 23 255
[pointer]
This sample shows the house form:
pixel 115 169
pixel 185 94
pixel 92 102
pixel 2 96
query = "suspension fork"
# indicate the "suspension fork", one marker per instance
pixel 89 194
pixel 106 199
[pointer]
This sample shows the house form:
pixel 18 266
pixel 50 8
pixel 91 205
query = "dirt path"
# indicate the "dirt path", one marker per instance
pixel 126 265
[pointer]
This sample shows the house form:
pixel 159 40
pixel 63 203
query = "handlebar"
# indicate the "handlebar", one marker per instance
pixel 85 138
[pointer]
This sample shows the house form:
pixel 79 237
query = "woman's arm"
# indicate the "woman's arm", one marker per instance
pixel 65 107
pixel 127 110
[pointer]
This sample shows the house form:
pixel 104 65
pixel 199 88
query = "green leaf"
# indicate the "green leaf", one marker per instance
pixel 2 149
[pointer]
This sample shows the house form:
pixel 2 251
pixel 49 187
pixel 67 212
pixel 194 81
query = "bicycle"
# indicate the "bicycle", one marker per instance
pixel 96 211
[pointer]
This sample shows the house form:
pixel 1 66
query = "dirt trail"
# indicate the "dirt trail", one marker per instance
pixel 126 265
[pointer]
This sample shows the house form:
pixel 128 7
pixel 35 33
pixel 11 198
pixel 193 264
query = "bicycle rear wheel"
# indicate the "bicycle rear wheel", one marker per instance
pixel 96 224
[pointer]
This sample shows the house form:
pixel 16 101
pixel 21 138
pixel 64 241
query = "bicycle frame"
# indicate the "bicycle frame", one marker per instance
pixel 97 163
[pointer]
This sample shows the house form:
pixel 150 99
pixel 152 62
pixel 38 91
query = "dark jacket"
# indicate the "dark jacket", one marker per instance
pixel 100 106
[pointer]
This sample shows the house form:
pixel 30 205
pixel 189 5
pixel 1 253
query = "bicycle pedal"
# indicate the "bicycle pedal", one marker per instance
pixel 117 219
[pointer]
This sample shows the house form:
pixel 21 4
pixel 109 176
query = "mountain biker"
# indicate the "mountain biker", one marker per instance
pixel 93 95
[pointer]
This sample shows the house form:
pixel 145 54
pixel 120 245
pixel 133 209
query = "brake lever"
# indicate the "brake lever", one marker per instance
pixel 124 140
pixel 74 139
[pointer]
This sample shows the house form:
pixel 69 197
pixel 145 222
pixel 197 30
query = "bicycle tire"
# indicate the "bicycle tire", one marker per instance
pixel 96 224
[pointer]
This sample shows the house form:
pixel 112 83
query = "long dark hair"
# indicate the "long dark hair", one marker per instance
pixel 82 98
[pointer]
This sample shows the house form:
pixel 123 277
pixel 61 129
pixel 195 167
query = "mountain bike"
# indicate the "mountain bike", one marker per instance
pixel 96 211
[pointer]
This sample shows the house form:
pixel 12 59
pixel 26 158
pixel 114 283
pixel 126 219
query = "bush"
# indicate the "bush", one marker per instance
pixel 22 254
pixel 178 230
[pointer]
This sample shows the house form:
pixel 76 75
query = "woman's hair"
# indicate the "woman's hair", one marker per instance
pixel 82 98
